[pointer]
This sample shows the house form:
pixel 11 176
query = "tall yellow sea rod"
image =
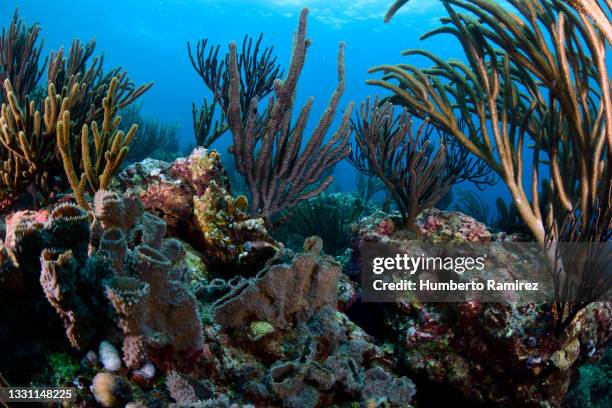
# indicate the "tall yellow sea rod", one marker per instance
pixel 110 149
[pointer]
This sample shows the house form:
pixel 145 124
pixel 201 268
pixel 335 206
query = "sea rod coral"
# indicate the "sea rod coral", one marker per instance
pixel 31 172
pixel 20 54
pixel 529 78
pixel 268 149
pixel 258 71
pixel 110 148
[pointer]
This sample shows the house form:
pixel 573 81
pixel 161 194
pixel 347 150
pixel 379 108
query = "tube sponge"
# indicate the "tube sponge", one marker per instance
pixel 112 210
pixel 56 279
pixel 70 229
pixel 129 297
pixel 113 242
pixel 153 230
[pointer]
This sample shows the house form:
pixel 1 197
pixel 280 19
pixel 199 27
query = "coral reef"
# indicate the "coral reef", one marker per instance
pixel 229 231
pixel 472 204
pixel 597 11
pixel 592 388
pixel 466 346
pixel 394 9
pixel 267 148
pixel 192 196
pixel 110 390
pixel 150 289
pixel 206 132
pixel 324 360
pixel 167 189
pixel 86 73
pixel 368 186
pixel 162 286
pixel 27 145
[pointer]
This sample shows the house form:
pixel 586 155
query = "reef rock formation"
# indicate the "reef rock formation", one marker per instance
pixel 322 361
pixel 283 295
pixel 331 360
pixel 281 342
pixel 498 353
pixel 192 195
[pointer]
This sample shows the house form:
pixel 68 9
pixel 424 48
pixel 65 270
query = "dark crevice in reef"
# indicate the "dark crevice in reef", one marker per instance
pixel 434 395
pixel 371 318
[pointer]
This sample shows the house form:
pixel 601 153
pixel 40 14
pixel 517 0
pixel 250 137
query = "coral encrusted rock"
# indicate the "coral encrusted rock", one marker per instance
pixel 323 361
pixel 192 195
pixel 502 354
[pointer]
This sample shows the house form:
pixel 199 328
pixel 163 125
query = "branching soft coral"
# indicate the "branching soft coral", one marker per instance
pixel 77 95
pixel 111 147
pixel 20 54
pixel 409 165
pixel 536 72
pixel 268 147
pixel 258 71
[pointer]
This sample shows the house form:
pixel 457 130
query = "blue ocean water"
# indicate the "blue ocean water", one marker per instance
pixel 148 39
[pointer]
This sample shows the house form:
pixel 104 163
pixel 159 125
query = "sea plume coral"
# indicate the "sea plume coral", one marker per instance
pixel 258 71
pixel 20 53
pixel 412 169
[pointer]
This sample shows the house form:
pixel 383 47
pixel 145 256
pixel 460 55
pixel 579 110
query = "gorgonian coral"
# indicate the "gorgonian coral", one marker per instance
pixel 77 94
pixel 536 72
pixel 268 147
